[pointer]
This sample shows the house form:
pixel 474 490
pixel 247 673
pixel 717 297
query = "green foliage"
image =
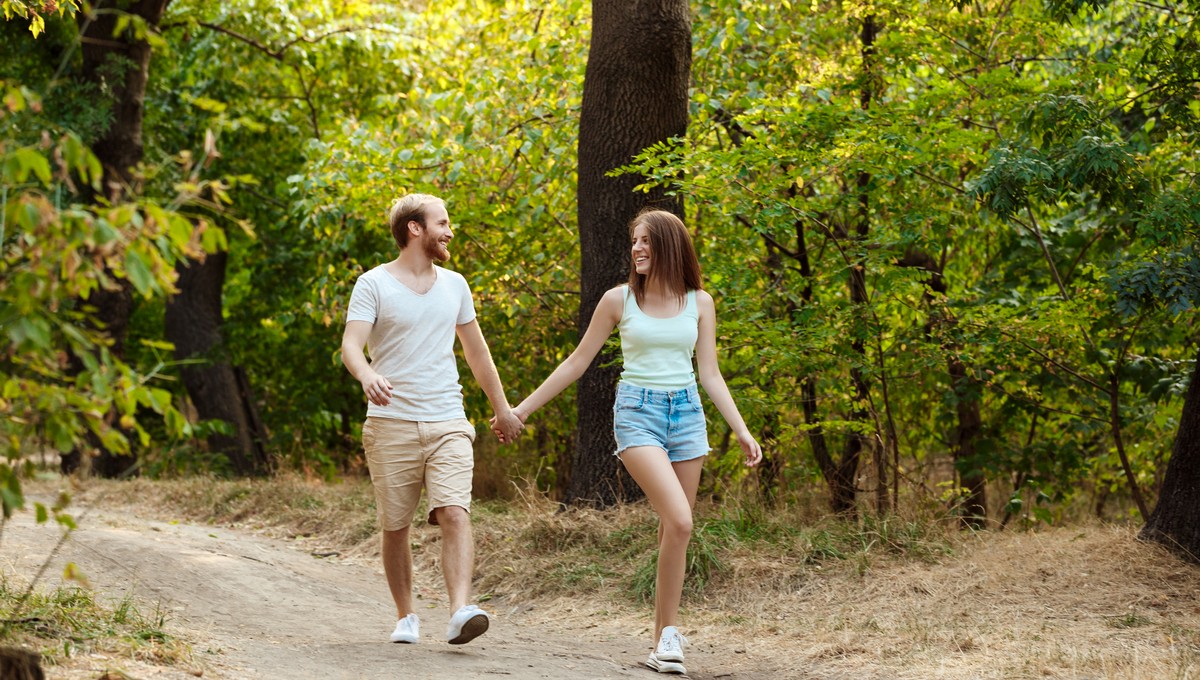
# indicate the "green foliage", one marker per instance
pixel 1015 182
pixel 61 384
pixel 35 11
pixel 71 619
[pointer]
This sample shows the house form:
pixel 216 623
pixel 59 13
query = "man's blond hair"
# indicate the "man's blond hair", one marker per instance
pixel 410 208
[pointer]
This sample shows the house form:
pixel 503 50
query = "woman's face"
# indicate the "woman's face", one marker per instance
pixel 641 250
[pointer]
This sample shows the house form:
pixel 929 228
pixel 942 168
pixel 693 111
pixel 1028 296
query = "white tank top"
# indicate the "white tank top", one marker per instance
pixel 658 352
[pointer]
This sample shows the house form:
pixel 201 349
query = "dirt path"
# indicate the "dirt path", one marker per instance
pixel 256 607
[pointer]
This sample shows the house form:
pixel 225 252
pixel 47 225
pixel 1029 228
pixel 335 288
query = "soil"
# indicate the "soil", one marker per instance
pixel 252 606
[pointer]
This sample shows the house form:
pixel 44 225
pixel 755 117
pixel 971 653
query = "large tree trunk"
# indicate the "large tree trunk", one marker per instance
pixel 193 324
pixel 635 94
pixel 1174 522
pixel 118 65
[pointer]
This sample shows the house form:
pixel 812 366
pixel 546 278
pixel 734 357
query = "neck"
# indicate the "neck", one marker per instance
pixel 414 260
pixel 657 288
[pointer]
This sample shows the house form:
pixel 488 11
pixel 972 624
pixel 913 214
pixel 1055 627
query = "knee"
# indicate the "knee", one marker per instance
pixel 397 537
pixel 452 517
pixel 678 528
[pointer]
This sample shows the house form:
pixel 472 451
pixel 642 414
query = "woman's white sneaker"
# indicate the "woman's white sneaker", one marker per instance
pixel 670 645
pixel 663 666
pixel 408 629
pixel 668 655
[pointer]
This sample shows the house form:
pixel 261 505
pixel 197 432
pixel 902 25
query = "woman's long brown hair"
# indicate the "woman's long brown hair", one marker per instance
pixel 672 256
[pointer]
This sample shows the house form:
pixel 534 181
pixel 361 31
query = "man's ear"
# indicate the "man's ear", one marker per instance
pixel 414 228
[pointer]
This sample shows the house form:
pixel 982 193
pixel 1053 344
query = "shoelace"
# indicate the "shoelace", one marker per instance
pixel 672 643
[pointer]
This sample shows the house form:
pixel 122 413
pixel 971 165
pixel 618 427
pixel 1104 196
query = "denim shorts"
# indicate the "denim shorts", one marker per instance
pixel 672 420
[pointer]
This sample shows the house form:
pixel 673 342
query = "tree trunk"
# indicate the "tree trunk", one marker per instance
pixel 970 423
pixel 1174 520
pixel 118 65
pixel 966 397
pixel 635 94
pixel 193 324
pixel 20 664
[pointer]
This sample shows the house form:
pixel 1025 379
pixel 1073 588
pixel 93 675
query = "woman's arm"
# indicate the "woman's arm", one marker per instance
pixel 714 384
pixel 604 320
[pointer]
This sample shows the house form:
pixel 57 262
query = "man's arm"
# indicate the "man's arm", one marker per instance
pixel 354 339
pixel 475 350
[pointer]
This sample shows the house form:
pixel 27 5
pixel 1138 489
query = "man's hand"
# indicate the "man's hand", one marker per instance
pixel 508 426
pixel 377 388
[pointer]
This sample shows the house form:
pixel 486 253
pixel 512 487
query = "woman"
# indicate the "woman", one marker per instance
pixel 665 318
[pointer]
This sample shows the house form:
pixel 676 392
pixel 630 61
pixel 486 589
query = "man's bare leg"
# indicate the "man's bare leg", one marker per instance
pixel 458 553
pixel 397 565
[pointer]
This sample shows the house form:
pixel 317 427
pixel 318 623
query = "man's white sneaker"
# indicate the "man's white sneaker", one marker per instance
pixel 467 624
pixel 664 666
pixel 670 645
pixel 408 629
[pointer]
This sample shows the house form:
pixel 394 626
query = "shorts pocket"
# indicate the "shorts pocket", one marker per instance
pixel 368 434
pixel 469 430
pixel 629 402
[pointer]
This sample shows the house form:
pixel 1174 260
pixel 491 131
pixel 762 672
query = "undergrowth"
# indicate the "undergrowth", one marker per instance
pixel 69 621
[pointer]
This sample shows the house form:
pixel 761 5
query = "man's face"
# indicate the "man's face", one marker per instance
pixel 435 238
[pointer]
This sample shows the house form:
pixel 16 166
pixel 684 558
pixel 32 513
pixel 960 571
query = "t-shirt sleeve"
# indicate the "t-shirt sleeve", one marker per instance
pixel 466 305
pixel 364 301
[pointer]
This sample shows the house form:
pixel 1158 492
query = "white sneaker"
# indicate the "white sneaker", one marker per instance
pixel 408 629
pixel 665 666
pixel 467 624
pixel 670 645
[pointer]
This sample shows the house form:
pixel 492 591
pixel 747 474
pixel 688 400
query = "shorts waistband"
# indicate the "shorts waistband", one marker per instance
pixel 650 394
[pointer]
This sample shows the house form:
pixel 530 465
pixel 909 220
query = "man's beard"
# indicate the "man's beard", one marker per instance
pixel 434 250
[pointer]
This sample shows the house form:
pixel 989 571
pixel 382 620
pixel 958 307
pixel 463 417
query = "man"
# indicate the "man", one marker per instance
pixel 408 312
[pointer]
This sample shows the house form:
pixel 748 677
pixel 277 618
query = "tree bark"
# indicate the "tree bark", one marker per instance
pixel 20 664
pixel 120 66
pixel 635 94
pixel 193 324
pixel 1173 522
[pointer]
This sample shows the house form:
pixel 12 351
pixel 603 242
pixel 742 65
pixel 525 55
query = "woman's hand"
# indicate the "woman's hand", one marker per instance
pixel 750 448
pixel 508 429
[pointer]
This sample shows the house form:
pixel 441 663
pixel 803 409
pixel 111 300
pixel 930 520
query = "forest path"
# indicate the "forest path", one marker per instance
pixel 259 607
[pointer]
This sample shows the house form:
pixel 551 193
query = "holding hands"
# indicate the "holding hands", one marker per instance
pixel 507 426
pixel 507 430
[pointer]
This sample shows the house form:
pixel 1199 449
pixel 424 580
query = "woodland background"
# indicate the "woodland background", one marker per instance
pixel 952 244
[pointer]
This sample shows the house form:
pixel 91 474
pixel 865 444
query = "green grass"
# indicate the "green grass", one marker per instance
pixel 70 620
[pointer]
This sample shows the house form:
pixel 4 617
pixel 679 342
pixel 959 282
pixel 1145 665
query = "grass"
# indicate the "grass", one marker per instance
pixel 896 597
pixel 70 621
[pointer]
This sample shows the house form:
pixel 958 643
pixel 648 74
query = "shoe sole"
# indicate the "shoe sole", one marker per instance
pixel 474 627
pixel 664 666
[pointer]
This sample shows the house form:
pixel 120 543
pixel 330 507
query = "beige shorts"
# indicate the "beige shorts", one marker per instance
pixel 404 455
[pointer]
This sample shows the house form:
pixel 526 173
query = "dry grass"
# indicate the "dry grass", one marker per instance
pixel 70 621
pixel 878 599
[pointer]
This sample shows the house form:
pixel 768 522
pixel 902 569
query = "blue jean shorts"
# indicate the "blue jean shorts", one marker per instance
pixel 672 420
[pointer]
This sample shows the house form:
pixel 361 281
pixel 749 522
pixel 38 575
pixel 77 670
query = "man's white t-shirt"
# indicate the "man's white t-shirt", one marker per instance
pixel 412 342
